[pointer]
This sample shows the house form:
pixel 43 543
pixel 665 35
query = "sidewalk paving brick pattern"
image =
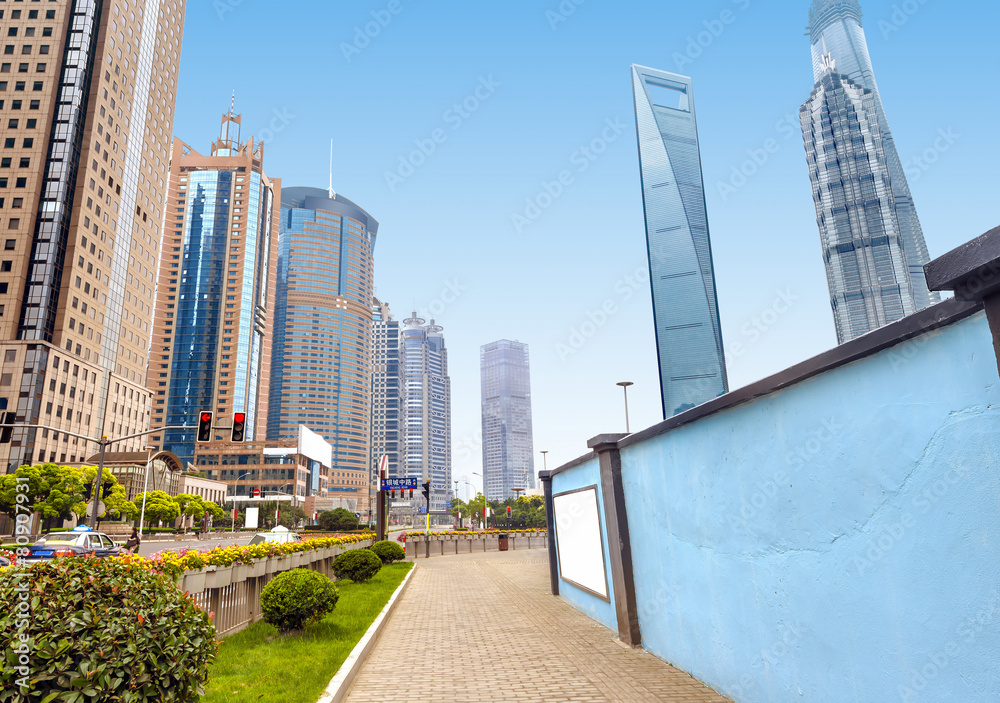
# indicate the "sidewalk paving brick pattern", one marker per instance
pixel 484 627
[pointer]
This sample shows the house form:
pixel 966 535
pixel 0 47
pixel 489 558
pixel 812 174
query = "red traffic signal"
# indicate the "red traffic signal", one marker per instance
pixel 239 427
pixel 205 427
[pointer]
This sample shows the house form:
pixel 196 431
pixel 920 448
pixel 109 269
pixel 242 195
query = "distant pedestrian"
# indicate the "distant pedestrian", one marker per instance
pixel 132 545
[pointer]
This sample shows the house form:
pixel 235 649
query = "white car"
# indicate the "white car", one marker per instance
pixel 279 535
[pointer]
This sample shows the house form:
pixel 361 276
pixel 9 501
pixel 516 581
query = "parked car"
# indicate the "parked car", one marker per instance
pixel 279 535
pixel 79 542
pixel 4 561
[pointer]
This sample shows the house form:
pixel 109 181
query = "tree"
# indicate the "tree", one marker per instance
pixel 61 495
pixel 159 507
pixel 116 502
pixel 191 505
pixel 9 493
pixel 215 511
pixel 339 520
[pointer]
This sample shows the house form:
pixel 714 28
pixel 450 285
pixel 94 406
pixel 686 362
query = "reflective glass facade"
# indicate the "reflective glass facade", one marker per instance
pixel 685 305
pixel 866 266
pixel 836 34
pixel 388 387
pixel 321 364
pixel 508 454
pixel 215 295
pixel 428 408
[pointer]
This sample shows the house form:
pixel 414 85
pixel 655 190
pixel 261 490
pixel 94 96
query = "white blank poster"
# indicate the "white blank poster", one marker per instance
pixel 578 539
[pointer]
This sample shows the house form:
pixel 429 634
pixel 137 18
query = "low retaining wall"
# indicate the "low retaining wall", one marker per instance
pixel 233 592
pixel 420 547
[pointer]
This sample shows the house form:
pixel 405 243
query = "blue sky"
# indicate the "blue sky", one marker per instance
pixel 387 80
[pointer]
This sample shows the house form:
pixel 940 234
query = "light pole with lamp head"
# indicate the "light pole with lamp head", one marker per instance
pixel 485 502
pixel 145 488
pixel 236 490
pixel 625 385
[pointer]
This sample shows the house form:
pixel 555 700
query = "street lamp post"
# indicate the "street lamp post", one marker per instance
pixel 625 385
pixel 145 488
pixel 484 497
pixel 236 489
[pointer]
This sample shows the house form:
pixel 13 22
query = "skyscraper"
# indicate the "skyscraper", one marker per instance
pixel 428 408
pixel 87 95
pixel 212 333
pixel 388 388
pixel 685 305
pixel 508 454
pixel 321 374
pixel 838 44
pixel 866 266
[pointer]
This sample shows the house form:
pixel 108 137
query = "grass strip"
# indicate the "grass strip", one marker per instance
pixel 257 664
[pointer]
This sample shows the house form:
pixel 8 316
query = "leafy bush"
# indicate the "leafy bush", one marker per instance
pixel 388 551
pixel 103 630
pixel 359 565
pixel 338 520
pixel 296 598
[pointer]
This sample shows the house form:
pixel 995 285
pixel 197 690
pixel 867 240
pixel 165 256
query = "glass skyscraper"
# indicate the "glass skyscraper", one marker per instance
pixel 212 330
pixel 428 408
pixel 685 306
pixel 388 389
pixel 853 219
pixel 508 454
pixel 321 374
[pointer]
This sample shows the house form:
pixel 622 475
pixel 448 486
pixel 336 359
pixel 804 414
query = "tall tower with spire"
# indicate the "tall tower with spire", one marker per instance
pixel 212 324
pixel 850 220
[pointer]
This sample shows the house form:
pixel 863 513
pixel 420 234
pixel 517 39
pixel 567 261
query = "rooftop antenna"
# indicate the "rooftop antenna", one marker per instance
pixel 333 195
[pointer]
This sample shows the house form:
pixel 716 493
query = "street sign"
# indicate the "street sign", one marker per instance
pixel 389 484
pixel 256 493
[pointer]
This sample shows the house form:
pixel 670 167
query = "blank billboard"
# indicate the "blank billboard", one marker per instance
pixel 578 541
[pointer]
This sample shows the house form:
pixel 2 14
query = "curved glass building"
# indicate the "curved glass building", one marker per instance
pixel 321 363
pixel 838 43
pixel 685 306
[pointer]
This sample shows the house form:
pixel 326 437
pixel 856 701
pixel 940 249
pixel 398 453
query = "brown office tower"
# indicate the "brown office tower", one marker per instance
pixel 87 94
pixel 212 332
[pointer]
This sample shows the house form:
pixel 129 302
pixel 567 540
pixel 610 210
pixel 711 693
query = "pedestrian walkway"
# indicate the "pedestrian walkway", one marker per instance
pixel 480 628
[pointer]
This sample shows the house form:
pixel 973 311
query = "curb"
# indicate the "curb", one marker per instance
pixel 341 683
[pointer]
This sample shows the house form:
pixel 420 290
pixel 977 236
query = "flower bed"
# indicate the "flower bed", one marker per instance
pixel 175 564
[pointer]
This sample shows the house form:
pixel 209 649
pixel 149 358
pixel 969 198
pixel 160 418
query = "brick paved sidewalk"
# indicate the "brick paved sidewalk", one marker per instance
pixel 484 627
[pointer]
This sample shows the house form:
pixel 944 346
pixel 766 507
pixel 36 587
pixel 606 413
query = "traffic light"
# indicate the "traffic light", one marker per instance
pixel 239 427
pixel 7 432
pixel 205 427
pixel 106 489
pixel 88 491
pixel 426 488
pixel 508 512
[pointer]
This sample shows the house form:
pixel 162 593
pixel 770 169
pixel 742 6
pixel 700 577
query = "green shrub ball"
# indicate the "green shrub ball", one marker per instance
pixel 106 630
pixel 358 565
pixel 388 551
pixel 294 599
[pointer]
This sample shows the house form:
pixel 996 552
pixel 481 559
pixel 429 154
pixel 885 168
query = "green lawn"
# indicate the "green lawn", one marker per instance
pixel 258 664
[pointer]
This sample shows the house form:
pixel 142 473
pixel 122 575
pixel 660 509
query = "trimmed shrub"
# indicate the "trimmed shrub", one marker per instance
pixel 101 630
pixel 388 551
pixel 359 565
pixel 294 599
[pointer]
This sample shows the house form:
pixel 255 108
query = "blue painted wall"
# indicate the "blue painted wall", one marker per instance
pixel 835 541
pixel 588 474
